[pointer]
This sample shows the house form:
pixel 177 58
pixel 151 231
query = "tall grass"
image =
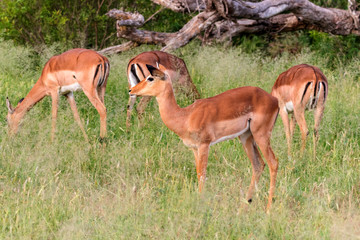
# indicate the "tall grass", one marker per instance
pixel 144 185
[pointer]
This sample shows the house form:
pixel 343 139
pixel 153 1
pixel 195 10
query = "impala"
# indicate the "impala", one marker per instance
pixel 62 75
pixel 176 69
pixel 299 88
pixel 247 112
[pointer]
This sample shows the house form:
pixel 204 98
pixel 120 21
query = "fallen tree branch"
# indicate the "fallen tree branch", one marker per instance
pixel 182 5
pixel 119 48
pixel 224 19
pixel 190 30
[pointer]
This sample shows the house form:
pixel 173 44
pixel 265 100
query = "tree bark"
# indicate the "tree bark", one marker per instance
pixel 224 19
pixel 119 48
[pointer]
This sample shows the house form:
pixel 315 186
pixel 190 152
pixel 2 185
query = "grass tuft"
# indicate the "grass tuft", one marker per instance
pixel 144 185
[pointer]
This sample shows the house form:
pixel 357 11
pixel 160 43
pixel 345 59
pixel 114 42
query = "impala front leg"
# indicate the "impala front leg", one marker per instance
pixel 201 164
pixel 130 106
pixel 71 100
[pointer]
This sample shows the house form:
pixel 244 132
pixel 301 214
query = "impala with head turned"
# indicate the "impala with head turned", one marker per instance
pixel 301 87
pixel 63 74
pixel 248 113
pixel 176 69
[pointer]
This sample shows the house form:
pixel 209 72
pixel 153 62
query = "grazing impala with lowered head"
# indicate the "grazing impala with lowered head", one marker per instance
pixel 76 69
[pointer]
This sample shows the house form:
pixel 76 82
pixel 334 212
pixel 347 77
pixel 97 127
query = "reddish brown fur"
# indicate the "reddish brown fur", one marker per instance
pixel 297 85
pixel 176 69
pixel 71 67
pixel 247 112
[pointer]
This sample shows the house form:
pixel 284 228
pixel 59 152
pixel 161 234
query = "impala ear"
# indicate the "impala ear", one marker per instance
pixel 156 72
pixel 8 104
pixel 161 67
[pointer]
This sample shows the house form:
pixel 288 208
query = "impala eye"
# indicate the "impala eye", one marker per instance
pixel 150 79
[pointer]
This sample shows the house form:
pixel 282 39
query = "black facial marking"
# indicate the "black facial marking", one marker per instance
pixel 74 77
pixel 151 68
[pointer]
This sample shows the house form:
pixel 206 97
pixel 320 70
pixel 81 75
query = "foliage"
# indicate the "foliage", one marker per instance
pixel 144 184
pixel 80 23
pixel 334 49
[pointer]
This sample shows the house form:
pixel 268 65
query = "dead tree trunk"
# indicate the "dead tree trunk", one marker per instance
pixel 224 19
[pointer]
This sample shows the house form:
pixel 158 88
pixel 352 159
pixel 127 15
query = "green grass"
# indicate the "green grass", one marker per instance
pixel 144 185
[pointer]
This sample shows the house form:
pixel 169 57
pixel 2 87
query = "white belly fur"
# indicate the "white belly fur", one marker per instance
pixel 232 135
pixel 70 88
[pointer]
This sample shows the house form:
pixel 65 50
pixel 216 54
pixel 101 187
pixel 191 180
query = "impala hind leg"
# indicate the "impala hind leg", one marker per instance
pixel 54 107
pixel 292 125
pixel 300 118
pixel 262 134
pixel 142 105
pixel 101 93
pixel 256 161
pixel 318 114
pixel 130 106
pixel 100 107
pixel 201 159
pixel 285 119
pixel 71 100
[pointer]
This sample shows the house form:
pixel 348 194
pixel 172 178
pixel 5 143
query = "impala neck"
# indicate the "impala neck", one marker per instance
pixel 172 115
pixel 37 93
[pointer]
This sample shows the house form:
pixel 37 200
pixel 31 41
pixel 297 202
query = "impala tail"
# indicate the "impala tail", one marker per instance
pixel 101 73
pixel 319 89
pixel 135 74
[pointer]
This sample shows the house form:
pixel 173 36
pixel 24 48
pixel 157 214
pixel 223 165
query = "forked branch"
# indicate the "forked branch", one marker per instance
pixel 223 19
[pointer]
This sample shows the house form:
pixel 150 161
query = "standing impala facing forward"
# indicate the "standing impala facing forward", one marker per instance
pixel 248 113
pixel 299 88
pixel 63 74
pixel 176 69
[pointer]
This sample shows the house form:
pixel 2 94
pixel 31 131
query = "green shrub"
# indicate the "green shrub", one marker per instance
pixel 75 23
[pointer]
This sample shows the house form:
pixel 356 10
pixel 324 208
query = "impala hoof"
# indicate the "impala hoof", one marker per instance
pixel 102 140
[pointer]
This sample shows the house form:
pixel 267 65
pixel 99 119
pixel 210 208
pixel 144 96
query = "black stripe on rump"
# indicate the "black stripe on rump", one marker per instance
pixel 133 71
pixel 142 72
pixel 96 72
pixel 306 87
pixel 324 90
pixel 103 75
pixel 316 81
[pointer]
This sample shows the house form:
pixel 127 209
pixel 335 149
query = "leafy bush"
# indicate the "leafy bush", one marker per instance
pixel 75 23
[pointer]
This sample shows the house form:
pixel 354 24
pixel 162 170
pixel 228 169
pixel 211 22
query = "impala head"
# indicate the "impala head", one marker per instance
pixel 11 120
pixel 152 85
